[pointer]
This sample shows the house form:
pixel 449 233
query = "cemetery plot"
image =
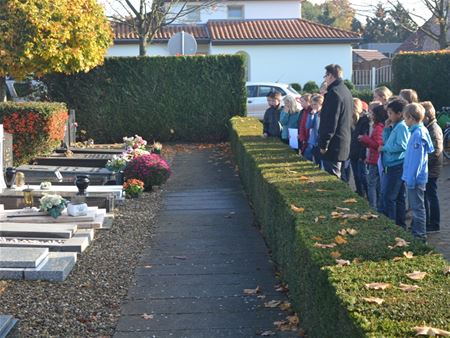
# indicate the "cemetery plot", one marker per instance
pixel 80 160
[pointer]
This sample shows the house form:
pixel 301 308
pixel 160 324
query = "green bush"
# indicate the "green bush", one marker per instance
pixel 161 98
pixel 296 86
pixel 311 87
pixel 329 298
pixel 349 84
pixel 363 94
pixel 426 72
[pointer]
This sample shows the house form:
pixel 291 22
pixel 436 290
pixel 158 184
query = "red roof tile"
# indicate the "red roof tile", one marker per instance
pixel 369 54
pixel 125 32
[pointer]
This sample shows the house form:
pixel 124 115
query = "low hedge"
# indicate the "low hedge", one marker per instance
pixel 329 297
pixel 37 127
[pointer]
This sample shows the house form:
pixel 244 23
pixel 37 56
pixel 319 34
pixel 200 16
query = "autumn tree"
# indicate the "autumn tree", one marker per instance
pixel 42 36
pixel 337 13
pixel 147 17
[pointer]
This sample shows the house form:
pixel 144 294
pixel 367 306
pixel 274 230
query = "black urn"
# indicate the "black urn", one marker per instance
pixel 82 182
pixel 10 176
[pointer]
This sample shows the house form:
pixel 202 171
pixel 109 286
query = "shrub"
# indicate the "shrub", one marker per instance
pixel 349 84
pixel 160 98
pixel 329 297
pixel 296 86
pixel 426 72
pixel 151 169
pixel 37 127
pixel 363 94
pixel 311 87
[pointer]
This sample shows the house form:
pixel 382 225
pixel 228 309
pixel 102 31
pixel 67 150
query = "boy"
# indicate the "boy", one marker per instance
pixel 415 166
pixel 312 124
pixel 271 125
pixel 303 131
pixel 395 140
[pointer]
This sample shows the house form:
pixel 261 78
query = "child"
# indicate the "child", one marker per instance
pixel 415 166
pixel 303 132
pixel 382 94
pixel 313 123
pixel 288 117
pixel 357 151
pixel 435 162
pixel 409 95
pixel 395 139
pixel 271 126
pixel 373 143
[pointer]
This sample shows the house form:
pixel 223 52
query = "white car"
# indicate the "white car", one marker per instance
pixel 257 93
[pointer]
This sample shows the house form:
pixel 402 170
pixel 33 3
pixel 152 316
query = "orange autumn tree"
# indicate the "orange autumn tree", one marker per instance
pixel 42 36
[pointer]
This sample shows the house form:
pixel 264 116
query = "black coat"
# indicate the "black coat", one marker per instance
pixel 357 150
pixel 336 122
pixel 271 125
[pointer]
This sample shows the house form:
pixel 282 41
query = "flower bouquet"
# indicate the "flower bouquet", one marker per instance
pixel 52 204
pixel 136 142
pixel 133 187
pixel 152 169
pixel 117 163
pixel 156 148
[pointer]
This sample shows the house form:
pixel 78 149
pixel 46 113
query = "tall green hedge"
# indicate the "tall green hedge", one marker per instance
pixel 329 297
pixel 426 72
pixel 160 98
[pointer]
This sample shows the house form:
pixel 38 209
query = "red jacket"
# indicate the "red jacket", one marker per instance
pixel 303 132
pixel 373 142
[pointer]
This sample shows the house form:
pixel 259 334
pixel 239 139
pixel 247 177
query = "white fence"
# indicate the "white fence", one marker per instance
pixel 371 78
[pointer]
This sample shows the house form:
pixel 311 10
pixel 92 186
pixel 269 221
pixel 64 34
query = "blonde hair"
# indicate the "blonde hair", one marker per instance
pixel 414 111
pixel 409 95
pixel 383 92
pixel 317 98
pixel 290 104
pixel 374 104
pixel 357 109
pixel 430 112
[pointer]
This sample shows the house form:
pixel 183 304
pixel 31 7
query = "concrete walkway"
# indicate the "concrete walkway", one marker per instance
pixel 191 279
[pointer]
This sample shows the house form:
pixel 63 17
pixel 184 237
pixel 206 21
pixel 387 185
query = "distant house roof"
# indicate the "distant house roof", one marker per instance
pixel 262 31
pixel 368 54
pixel 414 43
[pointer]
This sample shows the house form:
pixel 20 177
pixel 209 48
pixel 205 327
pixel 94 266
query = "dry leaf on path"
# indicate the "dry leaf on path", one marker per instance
pixel 408 254
pixel 335 254
pixel 351 231
pixel 147 267
pixel 399 242
pixel 408 288
pixel 430 331
pixel 285 306
pixel 272 303
pixel 369 216
pixel 342 232
pixel 147 317
pixel 342 209
pixel 350 201
pixel 252 291
pixel 281 288
pixel 374 300
pixel 416 275
pixel 342 262
pixel 303 178
pixel 377 286
pixel 297 209
pixel 350 216
pixel 266 333
pixel 324 246
pixel 294 320
pixel 340 240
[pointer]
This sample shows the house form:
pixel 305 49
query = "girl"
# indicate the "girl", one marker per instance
pixel 288 117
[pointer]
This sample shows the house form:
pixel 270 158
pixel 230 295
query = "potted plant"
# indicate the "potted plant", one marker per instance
pixel 52 204
pixel 133 188
pixel 151 169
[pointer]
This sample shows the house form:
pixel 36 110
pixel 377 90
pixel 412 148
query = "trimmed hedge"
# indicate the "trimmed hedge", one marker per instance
pixel 161 98
pixel 329 297
pixel 426 72
pixel 37 127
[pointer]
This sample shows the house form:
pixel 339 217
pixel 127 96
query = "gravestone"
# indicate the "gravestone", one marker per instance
pixel 76 160
pixel 7 150
pixel 70 129
pixel 2 178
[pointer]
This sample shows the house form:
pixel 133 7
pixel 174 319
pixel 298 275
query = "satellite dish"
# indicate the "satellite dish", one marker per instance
pixel 182 43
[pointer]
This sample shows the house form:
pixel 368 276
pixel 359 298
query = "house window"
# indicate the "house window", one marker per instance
pixel 193 14
pixel 235 12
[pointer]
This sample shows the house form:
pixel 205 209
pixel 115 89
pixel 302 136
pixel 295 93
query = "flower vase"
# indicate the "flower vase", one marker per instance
pixel 56 211
pixel 119 177
pixel 10 176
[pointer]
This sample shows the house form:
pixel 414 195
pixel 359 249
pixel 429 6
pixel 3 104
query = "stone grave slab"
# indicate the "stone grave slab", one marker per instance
pixel 20 216
pixel 45 230
pixel 56 268
pixel 7 324
pixel 79 160
pixel 77 150
pixel 22 257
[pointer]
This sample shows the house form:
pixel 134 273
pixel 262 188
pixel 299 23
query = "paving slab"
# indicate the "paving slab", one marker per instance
pixel 22 257
pixel 205 251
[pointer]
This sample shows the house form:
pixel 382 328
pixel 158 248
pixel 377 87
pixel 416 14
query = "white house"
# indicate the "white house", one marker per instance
pixel 278 44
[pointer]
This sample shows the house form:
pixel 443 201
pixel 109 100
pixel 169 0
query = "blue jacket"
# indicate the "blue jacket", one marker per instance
pixel 415 166
pixel 395 140
pixel 313 123
pixel 288 121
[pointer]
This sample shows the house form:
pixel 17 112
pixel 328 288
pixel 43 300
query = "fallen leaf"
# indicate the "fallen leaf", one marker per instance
pixel 316 238
pixel 322 190
pixel 335 254
pixel 340 240
pixel 335 214
pixel 447 271
pixel 272 303
pixel 416 275
pixel 350 216
pixel 303 178
pixel 342 262
pixel 399 242
pixel 261 296
pixel 351 231
pixel 377 286
pixel 146 316
pixel 297 209
pixel 285 306
pixel 148 267
pixel 357 260
pixel 294 320
pixel 408 288
pixel 252 291
pixel 281 288
pixel 408 254
pixel 324 246
pixel 430 331
pixel 350 201
pixel 282 325
pixel 342 209
pixel 375 300
pixel 395 259
pixel 322 217
pixel 266 333
pixel 369 216
pixel 342 232
pixel 316 219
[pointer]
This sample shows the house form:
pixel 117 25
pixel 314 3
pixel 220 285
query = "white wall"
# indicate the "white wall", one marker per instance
pixel 156 49
pixel 252 10
pixel 292 63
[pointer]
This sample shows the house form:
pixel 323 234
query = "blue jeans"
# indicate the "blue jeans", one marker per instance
pixel 308 154
pixel 373 187
pixel 332 167
pixel 359 169
pixel 393 203
pixel 416 198
pixel 432 205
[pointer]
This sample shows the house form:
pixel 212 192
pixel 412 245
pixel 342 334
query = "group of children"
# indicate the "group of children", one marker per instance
pixel 396 150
